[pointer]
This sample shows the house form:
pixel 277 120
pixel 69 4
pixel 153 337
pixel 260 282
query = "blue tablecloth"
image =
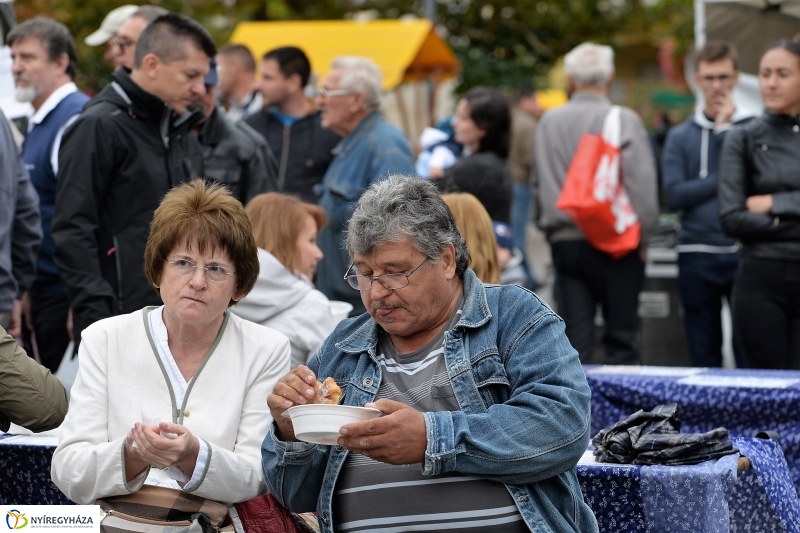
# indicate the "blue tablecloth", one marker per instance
pixel 25 475
pixel 706 498
pixel 742 401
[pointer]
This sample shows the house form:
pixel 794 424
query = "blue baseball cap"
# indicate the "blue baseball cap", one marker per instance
pixel 503 235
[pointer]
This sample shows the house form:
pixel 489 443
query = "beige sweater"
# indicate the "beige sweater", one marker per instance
pixel 226 405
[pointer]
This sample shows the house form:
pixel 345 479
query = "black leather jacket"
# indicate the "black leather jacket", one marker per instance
pixel 763 157
pixel 237 156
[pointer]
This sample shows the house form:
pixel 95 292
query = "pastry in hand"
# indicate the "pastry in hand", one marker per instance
pixel 327 392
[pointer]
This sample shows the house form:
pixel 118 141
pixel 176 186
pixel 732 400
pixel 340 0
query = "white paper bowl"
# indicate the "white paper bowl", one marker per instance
pixel 339 310
pixel 320 423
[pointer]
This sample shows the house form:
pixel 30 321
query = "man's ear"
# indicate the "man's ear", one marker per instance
pixel 358 102
pixel 296 83
pixel 150 66
pixel 449 260
pixel 63 63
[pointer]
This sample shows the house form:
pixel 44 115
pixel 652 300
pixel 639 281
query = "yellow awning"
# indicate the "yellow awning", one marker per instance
pixel 405 50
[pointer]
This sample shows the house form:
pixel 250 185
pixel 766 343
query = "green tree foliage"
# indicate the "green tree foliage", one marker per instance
pixel 502 43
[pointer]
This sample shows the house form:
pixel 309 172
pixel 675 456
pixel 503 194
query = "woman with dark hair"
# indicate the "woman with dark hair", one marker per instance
pixel 483 125
pixel 759 203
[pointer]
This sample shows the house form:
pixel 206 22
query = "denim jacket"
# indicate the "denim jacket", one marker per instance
pixel 524 418
pixel 373 151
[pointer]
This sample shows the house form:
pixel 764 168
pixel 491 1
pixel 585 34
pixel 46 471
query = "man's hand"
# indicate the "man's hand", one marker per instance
pixel 725 110
pixel 761 203
pixel 15 329
pixel 398 438
pixel 27 316
pixel 295 388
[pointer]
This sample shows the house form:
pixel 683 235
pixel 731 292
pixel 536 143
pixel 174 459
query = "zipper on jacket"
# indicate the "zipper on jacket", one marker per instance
pixel 118 267
pixel 287 130
pixel 140 520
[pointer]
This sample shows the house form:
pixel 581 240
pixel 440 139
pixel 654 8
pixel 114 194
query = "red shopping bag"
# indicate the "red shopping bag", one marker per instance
pixel 594 196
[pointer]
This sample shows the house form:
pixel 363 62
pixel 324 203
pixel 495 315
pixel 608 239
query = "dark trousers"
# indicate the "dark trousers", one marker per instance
pixel 704 279
pixel 766 312
pixel 50 326
pixel 586 277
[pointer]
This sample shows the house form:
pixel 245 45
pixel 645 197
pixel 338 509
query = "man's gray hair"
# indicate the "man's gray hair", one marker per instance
pixel 360 75
pixel 402 208
pixel 589 64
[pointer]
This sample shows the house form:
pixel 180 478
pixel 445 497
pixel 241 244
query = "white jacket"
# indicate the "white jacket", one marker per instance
pixel 290 304
pixel 120 374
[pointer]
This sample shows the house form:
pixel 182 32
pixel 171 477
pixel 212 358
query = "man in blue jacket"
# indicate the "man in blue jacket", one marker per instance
pixel 485 403
pixel 44 67
pixel 707 259
pixel 369 151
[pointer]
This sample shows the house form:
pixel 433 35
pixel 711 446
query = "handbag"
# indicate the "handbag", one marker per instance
pixel 594 196
pixel 154 509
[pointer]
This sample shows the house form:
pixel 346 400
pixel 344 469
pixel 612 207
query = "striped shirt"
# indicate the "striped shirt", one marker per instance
pixel 375 497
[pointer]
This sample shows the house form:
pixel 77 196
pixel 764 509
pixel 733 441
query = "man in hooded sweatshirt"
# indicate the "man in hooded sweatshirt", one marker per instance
pixel 707 258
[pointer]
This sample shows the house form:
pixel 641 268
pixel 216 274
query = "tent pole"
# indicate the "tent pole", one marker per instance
pixel 699 24
pixel 401 107
pixel 433 86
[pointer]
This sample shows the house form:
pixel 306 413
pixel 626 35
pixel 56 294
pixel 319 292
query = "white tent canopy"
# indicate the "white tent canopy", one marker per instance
pixel 750 25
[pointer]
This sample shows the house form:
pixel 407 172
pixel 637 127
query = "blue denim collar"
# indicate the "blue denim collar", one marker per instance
pixel 475 314
pixel 352 140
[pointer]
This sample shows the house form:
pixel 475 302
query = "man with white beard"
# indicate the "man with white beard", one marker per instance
pixel 44 66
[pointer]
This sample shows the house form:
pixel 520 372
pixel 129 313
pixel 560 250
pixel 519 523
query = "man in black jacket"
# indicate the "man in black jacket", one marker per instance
pixel 234 154
pixel 291 125
pixel 131 144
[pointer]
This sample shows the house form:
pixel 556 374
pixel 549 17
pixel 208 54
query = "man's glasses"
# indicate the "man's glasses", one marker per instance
pixel 327 93
pixel 389 281
pixel 184 267
pixel 122 43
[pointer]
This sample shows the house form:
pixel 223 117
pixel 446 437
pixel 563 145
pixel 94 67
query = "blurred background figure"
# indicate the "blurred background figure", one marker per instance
pixel 440 150
pixel 585 276
pixel 509 257
pixel 284 298
pixel 108 30
pixel 707 258
pixel 124 42
pixel 291 125
pixel 20 231
pixel 483 125
pixel 759 187
pixel 44 67
pixel 475 226
pixel 371 149
pixel 238 88
pixel 234 154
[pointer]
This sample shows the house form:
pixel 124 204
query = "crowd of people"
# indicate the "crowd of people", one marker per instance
pixel 188 226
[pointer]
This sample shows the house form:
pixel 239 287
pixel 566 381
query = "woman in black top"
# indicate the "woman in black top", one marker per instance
pixel 483 125
pixel 759 202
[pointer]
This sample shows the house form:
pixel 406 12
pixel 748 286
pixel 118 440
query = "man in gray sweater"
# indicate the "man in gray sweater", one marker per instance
pixel 586 276
pixel 20 230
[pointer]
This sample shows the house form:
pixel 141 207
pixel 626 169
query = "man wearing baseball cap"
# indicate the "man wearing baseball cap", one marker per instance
pixel 108 28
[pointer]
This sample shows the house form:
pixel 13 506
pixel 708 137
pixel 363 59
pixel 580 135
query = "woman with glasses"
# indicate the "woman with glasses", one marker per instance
pixel 759 204
pixel 174 395
pixel 284 298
